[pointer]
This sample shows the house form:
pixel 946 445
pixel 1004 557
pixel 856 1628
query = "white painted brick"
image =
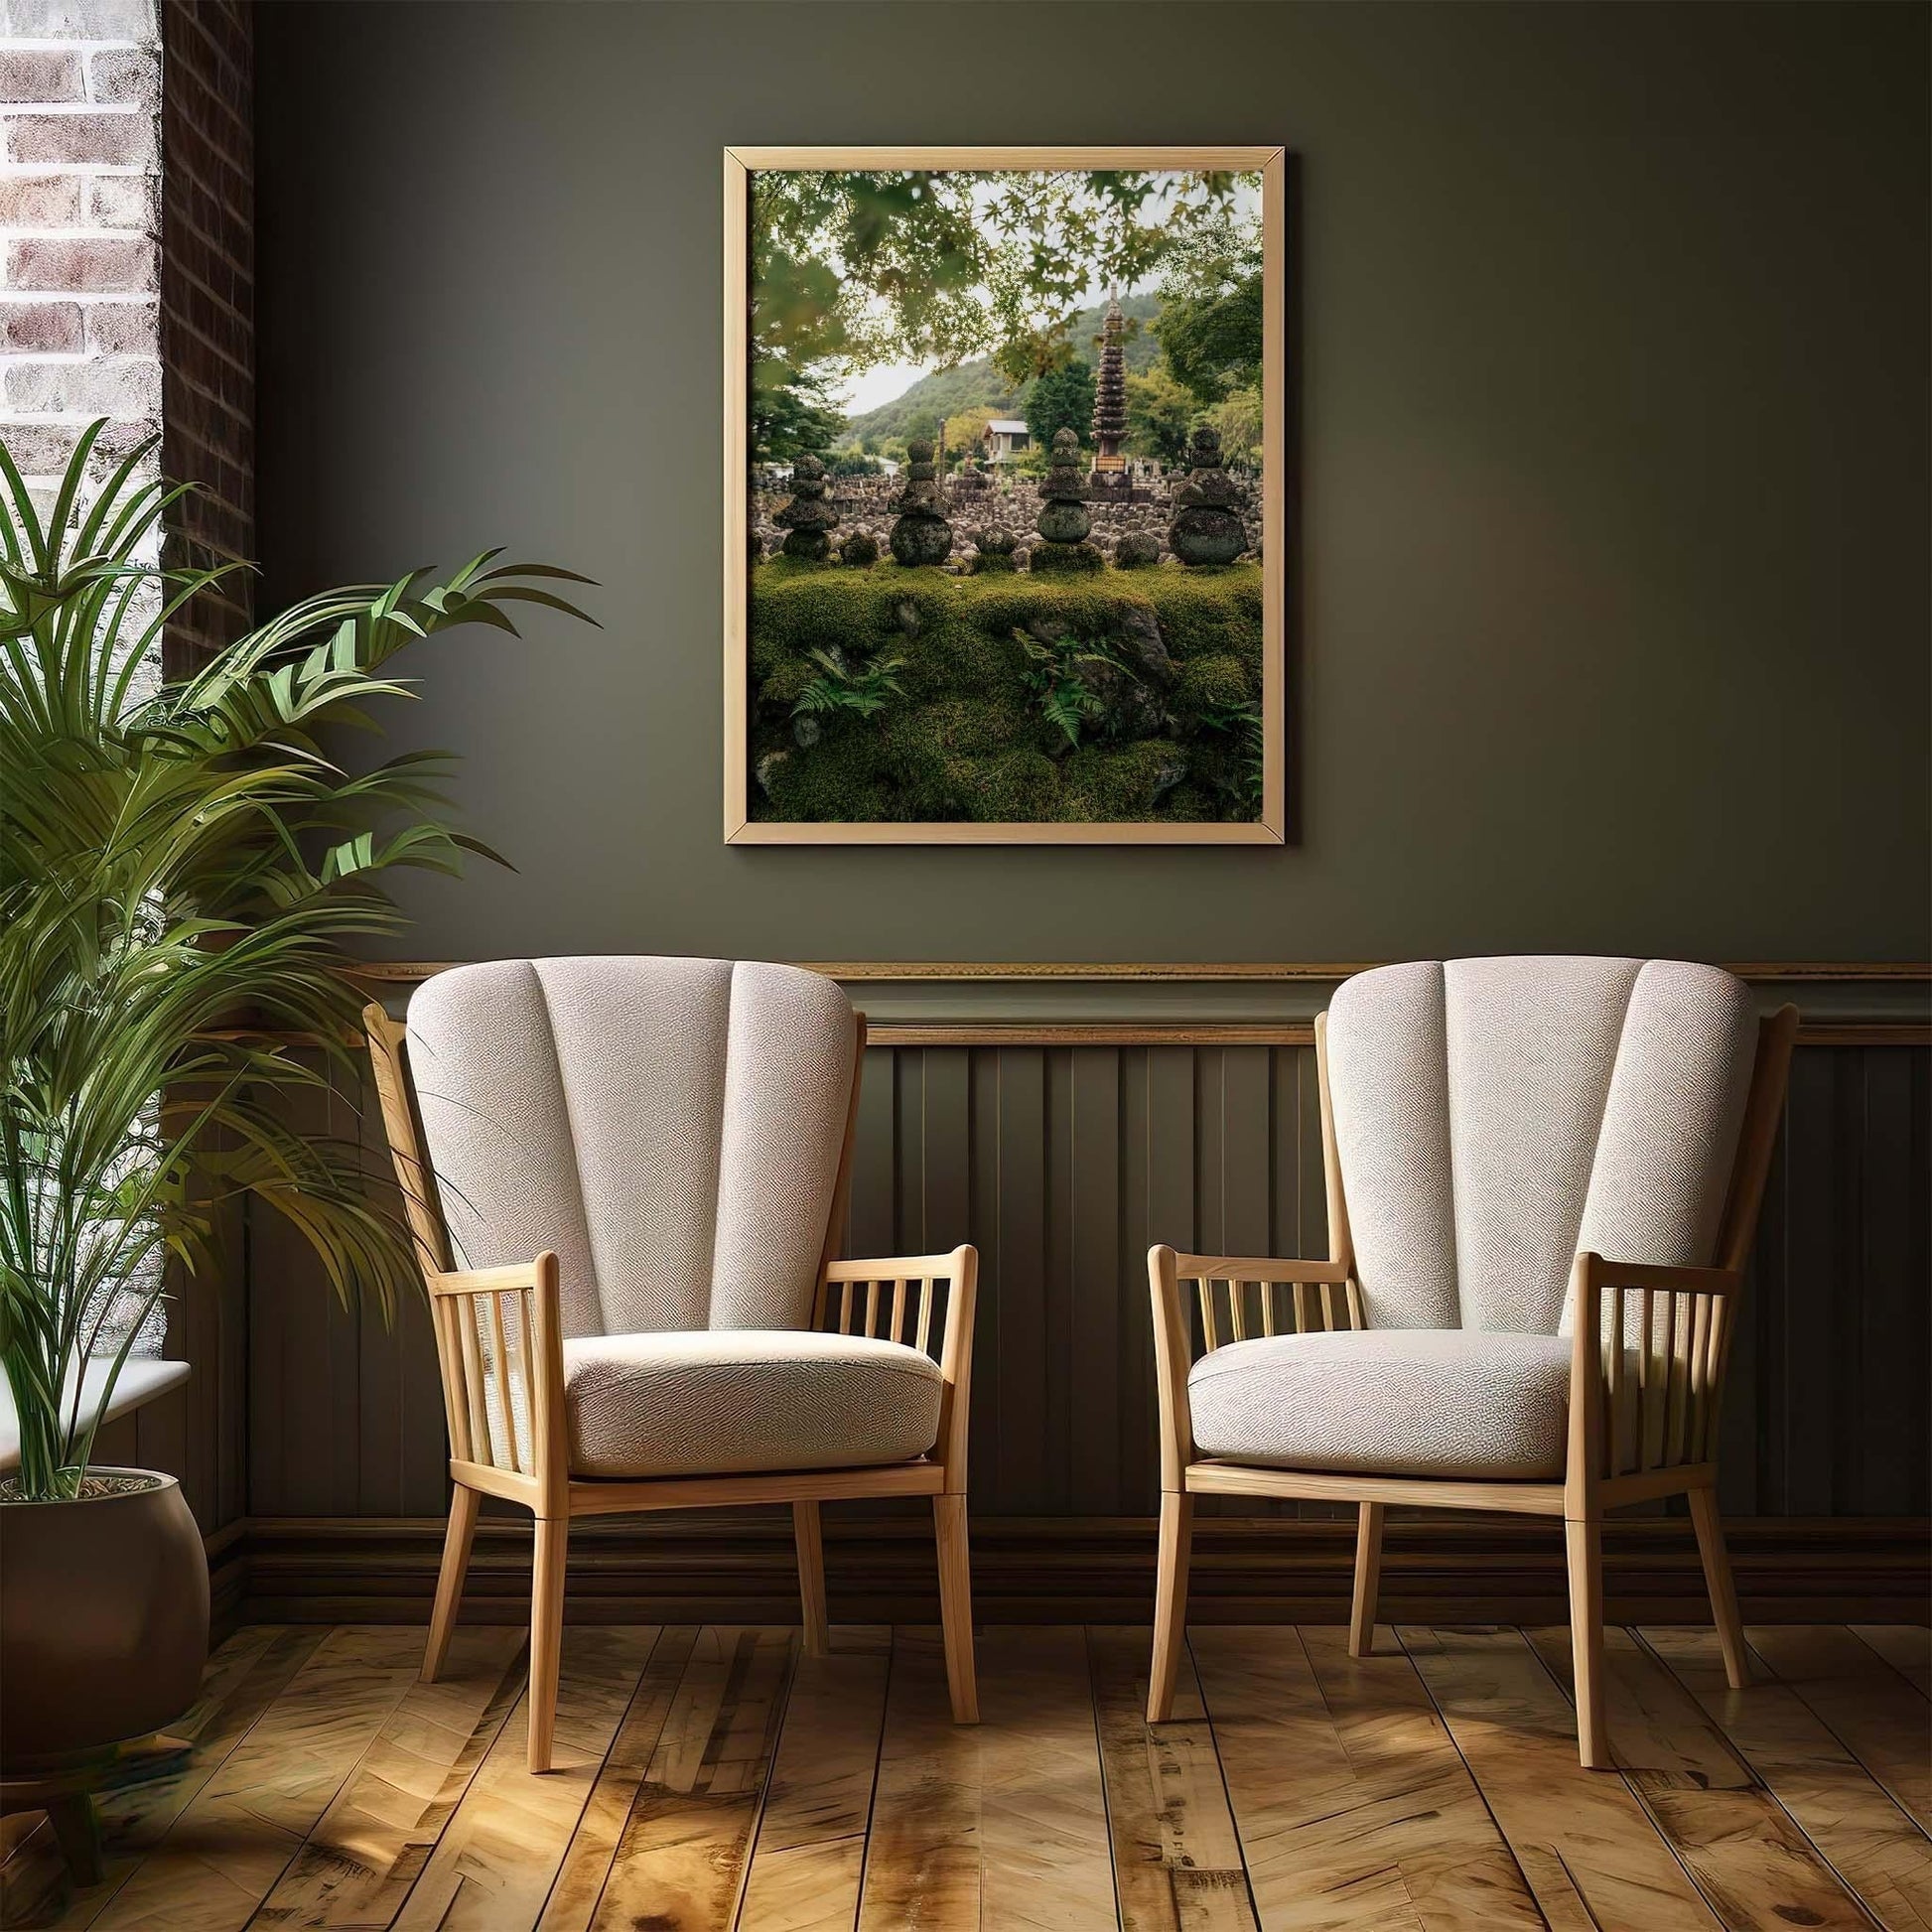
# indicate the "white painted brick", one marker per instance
pixel 81 264
pixel 41 449
pixel 80 20
pixel 123 328
pixel 40 73
pixel 124 75
pixel 124 202
pixel 124 386
pixel 109 139
pixel 41 200
pixel 41 328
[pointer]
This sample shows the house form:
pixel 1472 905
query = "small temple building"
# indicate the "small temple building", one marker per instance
pixel 1005 436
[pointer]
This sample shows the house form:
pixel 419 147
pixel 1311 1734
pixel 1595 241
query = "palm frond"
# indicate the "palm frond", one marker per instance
pixel 182 877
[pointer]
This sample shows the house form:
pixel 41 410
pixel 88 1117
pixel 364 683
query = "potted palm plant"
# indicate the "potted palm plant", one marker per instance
pixel 183 865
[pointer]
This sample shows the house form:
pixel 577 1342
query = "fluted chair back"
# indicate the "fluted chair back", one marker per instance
pixel 671 1128
pixel 1495 1115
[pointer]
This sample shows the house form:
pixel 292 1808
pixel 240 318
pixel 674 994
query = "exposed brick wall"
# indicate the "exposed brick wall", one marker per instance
pixel 80 223
pixel 208 299
pixel 127 259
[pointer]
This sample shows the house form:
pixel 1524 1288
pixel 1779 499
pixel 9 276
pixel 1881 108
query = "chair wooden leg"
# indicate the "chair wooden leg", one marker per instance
pixel 1170 1602
pixel 1368 1579
pixel 812 1578
pixel 546 1634
pixel 457 1540
pixel 1585 1538
pixel 956 1605
pixel 1724 1593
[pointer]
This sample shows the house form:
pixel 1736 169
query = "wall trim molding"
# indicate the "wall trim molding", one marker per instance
pixel 952 1002
pixel 1920 971
pixel 1066 1570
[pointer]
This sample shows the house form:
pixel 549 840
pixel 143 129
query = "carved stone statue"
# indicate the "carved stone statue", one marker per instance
pixel 1207 528
pixel 807 519
pixel 921 534
pixel 1064 519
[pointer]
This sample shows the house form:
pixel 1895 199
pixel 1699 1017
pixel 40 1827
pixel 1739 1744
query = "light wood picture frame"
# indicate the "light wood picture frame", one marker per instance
pixel 752 814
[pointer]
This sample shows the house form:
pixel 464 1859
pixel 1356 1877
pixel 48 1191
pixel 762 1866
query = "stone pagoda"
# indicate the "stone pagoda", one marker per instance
pixel 1208 527
pixel 1065 519
pixel 921 534
pixel 808 519
pixel 1110 395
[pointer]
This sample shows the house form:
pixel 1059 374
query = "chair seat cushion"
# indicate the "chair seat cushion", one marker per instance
pixel 1421 1402
pixel 726 1402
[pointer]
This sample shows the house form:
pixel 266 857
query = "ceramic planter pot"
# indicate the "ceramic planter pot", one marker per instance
pixel 103 1620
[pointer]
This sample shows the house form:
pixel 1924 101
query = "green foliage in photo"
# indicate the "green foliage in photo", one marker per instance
pixel 1110 696
pixel 1061 399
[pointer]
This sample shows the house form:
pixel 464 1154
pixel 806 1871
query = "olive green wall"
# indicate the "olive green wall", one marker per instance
pixel 1614 415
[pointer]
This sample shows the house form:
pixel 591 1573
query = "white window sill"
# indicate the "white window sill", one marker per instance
pixel 140 1379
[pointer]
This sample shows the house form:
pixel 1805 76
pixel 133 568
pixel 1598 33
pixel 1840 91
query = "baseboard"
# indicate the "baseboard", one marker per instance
pixel 740 1569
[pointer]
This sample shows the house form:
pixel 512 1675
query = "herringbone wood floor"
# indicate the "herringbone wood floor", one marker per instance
pixel 711 1778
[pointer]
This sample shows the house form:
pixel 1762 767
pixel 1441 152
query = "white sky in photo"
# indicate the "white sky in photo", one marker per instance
pixel 871 387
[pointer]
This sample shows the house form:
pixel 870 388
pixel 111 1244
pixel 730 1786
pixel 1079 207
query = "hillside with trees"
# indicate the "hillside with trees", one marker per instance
pixel 980 383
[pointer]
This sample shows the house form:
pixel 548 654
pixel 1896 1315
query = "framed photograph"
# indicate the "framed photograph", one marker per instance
pixel 1005 504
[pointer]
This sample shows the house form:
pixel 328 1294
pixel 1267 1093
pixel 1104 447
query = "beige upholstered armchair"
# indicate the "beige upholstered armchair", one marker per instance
pixel 627 1180
pixel 1542 1179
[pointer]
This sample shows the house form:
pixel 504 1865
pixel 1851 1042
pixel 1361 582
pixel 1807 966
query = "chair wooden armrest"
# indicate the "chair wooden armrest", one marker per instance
pixel 892 1298
pixel 1605 1274
pixel 1231 1313
pixel 1681 1335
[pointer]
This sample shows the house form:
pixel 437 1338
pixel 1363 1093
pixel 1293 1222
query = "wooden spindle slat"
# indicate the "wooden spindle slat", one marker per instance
pixel 473 1384
pixel 524 1348
pixel 898 1312
pixel 1701 1306
pixel 1237 1311
pixel 499 1376
pixel 444 1314
pixel 1210 1336
pixel 1268 1292
pixel 1357 1310
pixel 1678 1377
pixel 1616 1384
pixel 845 1307
pixel 1712 1374
pixel 1646 1376
pixel 526 1315
pixel 928 1284
pixel 1666 1375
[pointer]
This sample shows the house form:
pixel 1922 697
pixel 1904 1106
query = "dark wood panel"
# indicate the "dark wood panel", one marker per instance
pixel 1064 1162
pixel 739 1567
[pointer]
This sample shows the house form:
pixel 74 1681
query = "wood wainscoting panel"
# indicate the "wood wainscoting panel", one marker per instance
pixel 697 1567
pixel 1063 1159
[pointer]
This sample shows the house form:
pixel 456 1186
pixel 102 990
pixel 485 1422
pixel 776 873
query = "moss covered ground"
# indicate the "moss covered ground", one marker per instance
pixel 1116 695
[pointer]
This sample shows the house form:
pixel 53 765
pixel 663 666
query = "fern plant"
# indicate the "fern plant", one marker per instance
pixel 840 687
pixel 1242 723
pixel 181 874
pixel 1053 667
